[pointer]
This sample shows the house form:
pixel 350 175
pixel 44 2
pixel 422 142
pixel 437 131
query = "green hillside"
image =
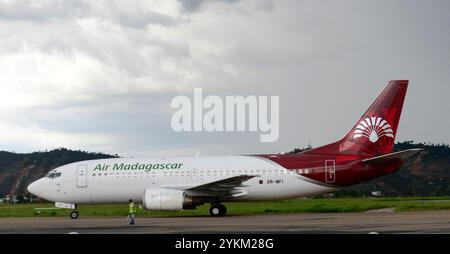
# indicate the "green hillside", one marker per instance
pixel 19 170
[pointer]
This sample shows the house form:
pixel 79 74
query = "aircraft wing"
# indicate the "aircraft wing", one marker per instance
pixel 228 187
pixel 402 155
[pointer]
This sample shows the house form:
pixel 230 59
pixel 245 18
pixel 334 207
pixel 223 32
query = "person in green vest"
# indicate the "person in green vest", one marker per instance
pixel 132 211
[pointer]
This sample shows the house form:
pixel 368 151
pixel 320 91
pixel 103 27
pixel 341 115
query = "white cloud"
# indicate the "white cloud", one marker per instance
pixel 32 138
pixel 32 78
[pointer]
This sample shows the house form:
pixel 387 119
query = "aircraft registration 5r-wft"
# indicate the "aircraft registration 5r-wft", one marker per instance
pixel 180 183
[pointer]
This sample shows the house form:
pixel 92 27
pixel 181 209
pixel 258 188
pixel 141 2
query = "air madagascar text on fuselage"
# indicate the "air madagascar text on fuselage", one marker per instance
pixel 137 166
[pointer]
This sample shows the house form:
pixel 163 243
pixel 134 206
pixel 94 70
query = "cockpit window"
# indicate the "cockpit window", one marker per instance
pixel 53 175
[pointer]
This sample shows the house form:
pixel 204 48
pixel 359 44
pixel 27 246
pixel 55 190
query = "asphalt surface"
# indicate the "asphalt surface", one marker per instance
pixel 383 221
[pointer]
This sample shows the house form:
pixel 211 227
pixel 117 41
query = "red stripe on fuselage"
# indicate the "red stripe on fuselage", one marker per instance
pixel 348 169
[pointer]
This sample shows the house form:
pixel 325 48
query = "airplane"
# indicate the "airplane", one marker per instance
pixel 180 183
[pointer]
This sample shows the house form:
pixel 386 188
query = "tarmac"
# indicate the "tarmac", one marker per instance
pixel 383 221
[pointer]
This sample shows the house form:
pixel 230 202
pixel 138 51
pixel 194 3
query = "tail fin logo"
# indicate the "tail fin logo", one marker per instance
pixel 373 128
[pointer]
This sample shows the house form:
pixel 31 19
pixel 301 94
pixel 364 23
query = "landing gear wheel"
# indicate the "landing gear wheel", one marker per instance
pixel 223 210
pixel 74 215
pixel 214 211
pixel 217 210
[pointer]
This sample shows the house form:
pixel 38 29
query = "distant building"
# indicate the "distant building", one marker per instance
pixel 11 199
pixel 376 193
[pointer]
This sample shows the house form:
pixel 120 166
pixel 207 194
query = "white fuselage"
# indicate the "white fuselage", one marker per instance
pixel 118 180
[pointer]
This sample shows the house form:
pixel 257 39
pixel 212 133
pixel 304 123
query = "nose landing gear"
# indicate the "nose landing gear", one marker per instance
pixel 74 213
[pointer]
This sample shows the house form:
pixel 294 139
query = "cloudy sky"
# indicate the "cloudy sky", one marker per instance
pixel 100 75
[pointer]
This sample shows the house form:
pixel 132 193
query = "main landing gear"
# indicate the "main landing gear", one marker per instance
pixel 74 214
pixel 217 210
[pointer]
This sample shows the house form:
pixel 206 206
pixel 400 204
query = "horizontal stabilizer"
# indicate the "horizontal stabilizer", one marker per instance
pixel 402 155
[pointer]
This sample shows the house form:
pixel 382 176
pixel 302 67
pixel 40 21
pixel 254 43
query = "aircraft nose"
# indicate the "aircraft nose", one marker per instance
pixel 33 188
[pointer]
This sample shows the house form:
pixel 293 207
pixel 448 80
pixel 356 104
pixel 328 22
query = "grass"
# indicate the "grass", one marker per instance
pixel 316 205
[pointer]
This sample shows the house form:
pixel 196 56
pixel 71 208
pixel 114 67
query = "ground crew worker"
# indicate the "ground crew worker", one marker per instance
pixel 131 212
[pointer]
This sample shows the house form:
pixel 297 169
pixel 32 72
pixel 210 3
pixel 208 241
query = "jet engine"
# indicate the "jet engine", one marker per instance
pixel 168 200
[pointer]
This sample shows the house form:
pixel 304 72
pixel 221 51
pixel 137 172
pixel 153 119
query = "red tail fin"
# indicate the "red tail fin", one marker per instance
pixel 374 133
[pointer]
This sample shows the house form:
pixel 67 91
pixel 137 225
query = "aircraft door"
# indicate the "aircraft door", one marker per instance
pixel 82 176
pixel 330 171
